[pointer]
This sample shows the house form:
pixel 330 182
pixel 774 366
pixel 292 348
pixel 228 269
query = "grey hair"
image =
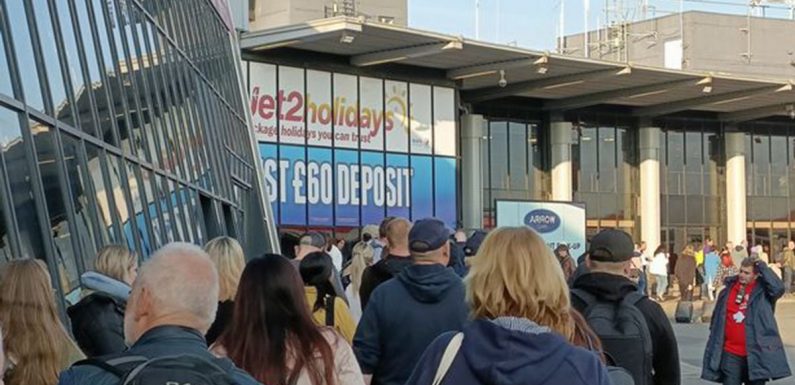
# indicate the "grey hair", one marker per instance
pixel 182 278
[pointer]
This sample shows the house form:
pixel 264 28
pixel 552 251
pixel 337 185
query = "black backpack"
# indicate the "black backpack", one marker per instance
pixel 181 369
pixel 623 331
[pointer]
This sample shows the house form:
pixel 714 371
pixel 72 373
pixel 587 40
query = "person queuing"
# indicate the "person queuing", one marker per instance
pixel 646 346
pixel 520 304
pixel 686 273
pixel 744 345
pixel 228 258
pixel 172 305
pixel 274 337
pixel 327 308
pixel 98 319
pixel 659 269
pixel 362 258
pixel 565 260
pixel 312 242
pixel 37 345
pixel 394 258
pixel 407 313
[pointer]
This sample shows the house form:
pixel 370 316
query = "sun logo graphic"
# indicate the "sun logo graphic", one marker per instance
pixel 397 108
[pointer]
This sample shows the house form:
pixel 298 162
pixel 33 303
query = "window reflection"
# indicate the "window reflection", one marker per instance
pixel 50 53
pixel 26 62
pixel 96 171
pixel 85 214
pixel 119 192
pixel 153 206
pixel 5 76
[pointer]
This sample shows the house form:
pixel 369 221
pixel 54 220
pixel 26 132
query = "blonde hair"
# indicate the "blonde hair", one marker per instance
pixel 34 337
pixel 115 261
pixel 227 255
pixel 362 257
pixel 514 274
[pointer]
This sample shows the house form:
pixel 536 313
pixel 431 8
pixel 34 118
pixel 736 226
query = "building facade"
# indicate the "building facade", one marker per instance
pixel 121 122
pixel 269 14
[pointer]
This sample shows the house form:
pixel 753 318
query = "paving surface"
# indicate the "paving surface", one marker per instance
pixel 693 337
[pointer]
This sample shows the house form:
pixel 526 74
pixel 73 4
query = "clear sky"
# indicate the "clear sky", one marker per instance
pixel 535 23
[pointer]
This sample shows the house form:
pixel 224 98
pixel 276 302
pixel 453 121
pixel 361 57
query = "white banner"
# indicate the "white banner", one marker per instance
pixel 420 122
pixel 444 122
pixel 318 108
pixel 397 122
pixel 371 106
pixel 556 222
pixel 346 122
pixel 291 105
pixel 263 102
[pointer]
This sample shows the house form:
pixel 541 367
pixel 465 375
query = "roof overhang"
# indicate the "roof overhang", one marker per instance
pixel 487 71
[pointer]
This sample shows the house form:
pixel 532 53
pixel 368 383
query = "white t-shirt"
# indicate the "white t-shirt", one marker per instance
pixel 336 257
pixel 659 265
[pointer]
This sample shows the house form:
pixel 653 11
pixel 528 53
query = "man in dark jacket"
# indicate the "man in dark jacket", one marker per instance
pixel 609 264
pixel 407 313
pixel 390 265
pixel 171 307
pixel 98 319
pixel 744 345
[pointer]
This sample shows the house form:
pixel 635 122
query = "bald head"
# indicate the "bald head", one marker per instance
pixel 177 286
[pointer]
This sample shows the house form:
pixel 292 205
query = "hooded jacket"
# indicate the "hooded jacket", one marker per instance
pixel 766 357
pixel 404 316
pixel 665 351
pixel 493 354
pixel 382 271
pixel 98 319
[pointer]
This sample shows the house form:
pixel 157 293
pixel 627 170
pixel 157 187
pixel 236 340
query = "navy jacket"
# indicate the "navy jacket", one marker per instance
pixel 493 355
pixel 766 357
pixel 158 342
pixel 404 316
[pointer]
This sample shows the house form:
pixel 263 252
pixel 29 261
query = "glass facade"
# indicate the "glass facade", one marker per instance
pixel 120 122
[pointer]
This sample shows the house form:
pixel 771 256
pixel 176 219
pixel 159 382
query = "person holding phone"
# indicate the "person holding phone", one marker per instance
pixel 744 345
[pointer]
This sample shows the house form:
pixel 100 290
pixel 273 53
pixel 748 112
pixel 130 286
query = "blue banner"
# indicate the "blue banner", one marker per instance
pixel 320 195
pixel 421 187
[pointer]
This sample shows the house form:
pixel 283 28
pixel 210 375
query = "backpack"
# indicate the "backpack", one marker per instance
pixel 623 331
pixel 181 369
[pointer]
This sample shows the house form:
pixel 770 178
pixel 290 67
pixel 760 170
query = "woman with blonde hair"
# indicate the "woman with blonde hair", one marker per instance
pixel 362 258
pixel 522 323
pixel 37 346
pixel 98 319
pixel 228 257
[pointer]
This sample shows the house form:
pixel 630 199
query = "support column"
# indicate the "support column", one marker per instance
pixel 735 187
pixel 650 218
pixel 472 127
pixel 561 160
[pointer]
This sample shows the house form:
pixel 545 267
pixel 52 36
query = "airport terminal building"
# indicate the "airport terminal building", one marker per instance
pixel 448 126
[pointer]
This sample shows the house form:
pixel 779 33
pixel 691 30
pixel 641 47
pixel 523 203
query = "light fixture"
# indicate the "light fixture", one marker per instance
pixel 541 64
pixel 502 82
pixel 347 38
pixel 707 83
pixel 791 111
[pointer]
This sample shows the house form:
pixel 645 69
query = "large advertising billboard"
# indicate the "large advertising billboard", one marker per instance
pixel 556 222
pixel 344 151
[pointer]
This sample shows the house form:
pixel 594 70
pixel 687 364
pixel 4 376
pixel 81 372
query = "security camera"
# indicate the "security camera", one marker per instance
pixel 502 82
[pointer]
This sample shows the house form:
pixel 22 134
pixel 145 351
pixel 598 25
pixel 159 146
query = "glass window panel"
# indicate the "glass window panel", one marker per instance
pixel 119 190
pixel 695 209
pixel 179 217
pixel 45 143
pixel 50 53
pixel 779 180
pixel 84 211
pixel 13 151
pixel 761 165
pixel 607 159
pixel 5 76
pixel 693 163
pixel 675 162
pixel 169 220
pixel 96 170
pixel 712 161
pixel 518 153
pixel 498 150
pixel 587 160
pixel 153 206
pixel 26 62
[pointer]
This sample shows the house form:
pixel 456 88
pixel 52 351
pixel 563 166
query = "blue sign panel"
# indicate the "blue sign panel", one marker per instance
pixel 346 187
pixel 320 190
pixel 421 187
pixel 446 187
pixel 542 221
pixel 398 184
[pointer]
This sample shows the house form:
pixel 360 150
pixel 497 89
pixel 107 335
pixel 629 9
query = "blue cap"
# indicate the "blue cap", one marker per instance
pixel 428 234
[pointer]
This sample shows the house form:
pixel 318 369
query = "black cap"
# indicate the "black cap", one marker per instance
pixel 312 238
pixel 474 242
pixel 428 235
pixel 611 246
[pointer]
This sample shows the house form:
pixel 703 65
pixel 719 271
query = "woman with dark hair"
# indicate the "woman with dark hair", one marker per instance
pixel 273 337
pixel 327 308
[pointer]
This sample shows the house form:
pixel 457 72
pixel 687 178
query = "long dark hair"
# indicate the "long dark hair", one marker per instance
pixel 316 270
pixel 271 320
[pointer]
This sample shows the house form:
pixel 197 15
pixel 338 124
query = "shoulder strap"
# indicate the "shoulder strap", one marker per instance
pixel 447 359
pixel 584 296
pixel 118 366
pixel 633 298
pixel 330 310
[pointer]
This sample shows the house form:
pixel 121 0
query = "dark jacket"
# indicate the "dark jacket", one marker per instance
pixel 223 317
pixel 457 257
pixel 665 350
pixel 382 271
pixel 686 270
pixel 404 316
pixel 494 355
pixel 161 341
pixel 766 357
pixel 98 319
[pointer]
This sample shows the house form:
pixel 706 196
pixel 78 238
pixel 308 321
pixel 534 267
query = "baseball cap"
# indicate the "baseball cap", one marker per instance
pixel 474 242
pixel 427 235
pixel 312 238
pixel 371 230
pixel 611 246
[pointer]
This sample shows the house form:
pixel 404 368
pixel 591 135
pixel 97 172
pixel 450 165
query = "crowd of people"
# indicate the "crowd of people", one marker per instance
pixel 406 303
